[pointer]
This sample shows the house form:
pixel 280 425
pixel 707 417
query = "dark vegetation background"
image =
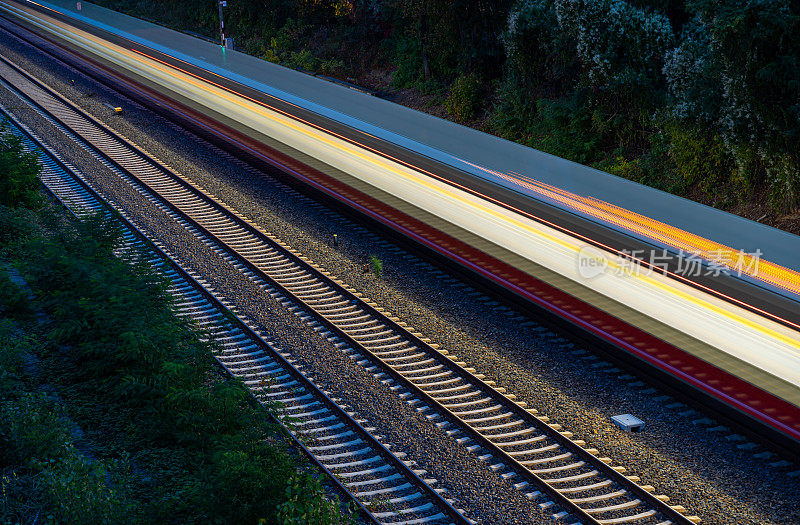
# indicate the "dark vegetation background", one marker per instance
pixel 700 98
pixel 113 410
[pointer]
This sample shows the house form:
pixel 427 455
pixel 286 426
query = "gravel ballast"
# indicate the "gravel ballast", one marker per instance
pixel 678 453
pixel 483 493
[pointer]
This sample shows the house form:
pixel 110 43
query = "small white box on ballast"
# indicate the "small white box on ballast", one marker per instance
pixel 628 422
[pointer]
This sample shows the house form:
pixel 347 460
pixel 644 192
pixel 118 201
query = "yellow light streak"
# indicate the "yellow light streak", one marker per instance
pixel 587 205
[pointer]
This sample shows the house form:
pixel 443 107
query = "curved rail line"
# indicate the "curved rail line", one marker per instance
pixel 569 479
pixel 386 489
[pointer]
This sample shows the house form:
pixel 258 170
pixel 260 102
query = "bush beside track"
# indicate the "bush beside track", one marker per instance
pixel 113 409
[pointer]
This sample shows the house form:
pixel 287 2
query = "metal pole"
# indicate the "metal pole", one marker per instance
pixel 221 4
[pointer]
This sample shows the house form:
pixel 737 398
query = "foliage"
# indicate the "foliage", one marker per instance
pixel 12 350
pixel 674 10
pixel 701 158
pixel 15 226
pixel 513 113
pixel 13 299
pixel 48 477
pixel 376 265
pixel 19 186
pixel 135 422
pixel 440 38
pixel 539 56
pixel 737 70
pixel 618 45
pixel 408 62
pixel 655 168
pixel 583 78
pixel 44 477
pixel 305 504
pixel 464 99
pixel 600 44
pixel 567 128
pixel 303 60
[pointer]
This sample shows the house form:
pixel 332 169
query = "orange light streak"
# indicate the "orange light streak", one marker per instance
pixel 736 260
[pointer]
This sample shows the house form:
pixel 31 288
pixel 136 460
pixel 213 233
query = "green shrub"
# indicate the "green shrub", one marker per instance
pixel 288 38
pixel 13 299
pixel 14 349
pixel 700 156
pixel 19 171
pixel 783 180
pixel 305 504
pixel 80 490
pixel 32 431
pixel 567 127
pixel 15 228
pixel 303 60
pixel 540 58
pixel 654 168
pixel 583 78
pixel 408 61
pixel 617 43
pixel 45 475
pixel 464 99
pixel 736 74
pixel 512 114
pixel 332 67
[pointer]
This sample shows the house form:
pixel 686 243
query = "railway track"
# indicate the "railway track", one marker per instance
pixel 567 479
pixel 385 488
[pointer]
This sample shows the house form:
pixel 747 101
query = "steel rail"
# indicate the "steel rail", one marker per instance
pixel 571 447
pixel 189 276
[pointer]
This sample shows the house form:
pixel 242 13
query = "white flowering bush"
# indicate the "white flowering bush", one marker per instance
pixel 736 71
pixel 582 77
pixel 692 81
pixel 617 43
pixel 609 43
pixel 607 82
